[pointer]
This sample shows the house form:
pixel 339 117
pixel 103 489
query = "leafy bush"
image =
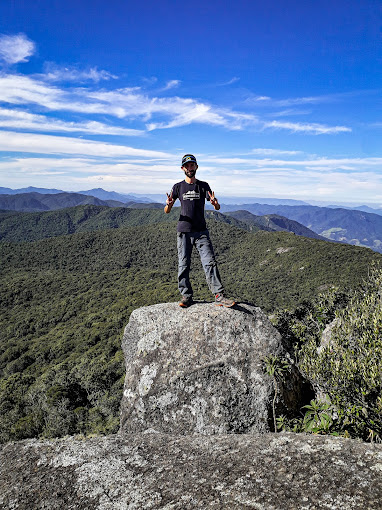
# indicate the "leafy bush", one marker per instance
pixel 276 368
pixel 349 368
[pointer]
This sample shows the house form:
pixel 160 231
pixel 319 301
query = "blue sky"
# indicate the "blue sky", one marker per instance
pixel 276 99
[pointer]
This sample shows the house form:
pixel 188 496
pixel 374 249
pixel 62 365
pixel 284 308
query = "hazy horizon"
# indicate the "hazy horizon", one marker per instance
pixel 230 198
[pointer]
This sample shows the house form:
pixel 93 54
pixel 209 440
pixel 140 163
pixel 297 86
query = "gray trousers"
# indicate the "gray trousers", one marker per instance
pixel 186 241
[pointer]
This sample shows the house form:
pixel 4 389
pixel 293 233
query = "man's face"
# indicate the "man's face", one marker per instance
pixel 190 168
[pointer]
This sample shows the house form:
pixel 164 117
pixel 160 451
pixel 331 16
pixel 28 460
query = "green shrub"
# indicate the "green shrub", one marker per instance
pixel 349 368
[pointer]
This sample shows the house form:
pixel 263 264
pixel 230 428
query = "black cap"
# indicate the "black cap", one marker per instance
pixel 188 158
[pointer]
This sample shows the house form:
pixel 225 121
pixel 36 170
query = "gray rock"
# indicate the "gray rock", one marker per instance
pixel 200 371
pixel 155 471
pixel 326 341
pixel 326 336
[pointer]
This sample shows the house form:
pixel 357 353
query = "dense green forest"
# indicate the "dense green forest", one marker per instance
pixel 21 226
pixel 66 299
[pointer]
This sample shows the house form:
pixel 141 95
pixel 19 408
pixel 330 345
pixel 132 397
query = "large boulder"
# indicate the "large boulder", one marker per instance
pixel 200 371
pixel 160 472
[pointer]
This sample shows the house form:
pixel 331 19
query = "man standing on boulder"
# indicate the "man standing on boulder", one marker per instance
pixel 192 231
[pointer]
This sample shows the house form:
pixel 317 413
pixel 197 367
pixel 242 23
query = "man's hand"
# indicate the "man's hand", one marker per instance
pixel 214 201
pixel 170 200
pixel 169 203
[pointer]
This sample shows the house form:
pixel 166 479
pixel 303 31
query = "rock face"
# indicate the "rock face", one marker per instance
pixel 200 371
pixel 160 472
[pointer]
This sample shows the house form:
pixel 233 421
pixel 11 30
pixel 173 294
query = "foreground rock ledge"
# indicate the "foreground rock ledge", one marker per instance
pixel 155 471
pixel 200 371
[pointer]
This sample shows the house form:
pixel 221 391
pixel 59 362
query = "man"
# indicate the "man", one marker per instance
pixel 192 231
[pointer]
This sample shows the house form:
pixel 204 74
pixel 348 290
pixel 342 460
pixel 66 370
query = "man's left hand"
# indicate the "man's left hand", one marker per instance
pixel 214 200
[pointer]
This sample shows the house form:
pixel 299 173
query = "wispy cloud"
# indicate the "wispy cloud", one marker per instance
pixel 290 112
pixel 312 176
pixel 229 82
pixel 292 101
pixel 191 112
pixel 345 165
pixel 74 173
pixel 156 112
pixel 16 48
pixel 274 152
pixel 308 100
pixel 17 119
pixel 53 72
pixel 23 90
pixel 48 144
pixel 314 128
pixel 172 84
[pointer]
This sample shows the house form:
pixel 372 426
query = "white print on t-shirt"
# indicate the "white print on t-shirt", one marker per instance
pixel 191 195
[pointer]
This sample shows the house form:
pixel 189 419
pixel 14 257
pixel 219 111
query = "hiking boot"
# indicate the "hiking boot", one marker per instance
pixel 186 301
pixel 221 300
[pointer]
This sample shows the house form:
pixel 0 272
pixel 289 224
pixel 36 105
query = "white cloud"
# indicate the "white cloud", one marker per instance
pixel 16 48
pixel 17 119
pixel 290 112
pixel 133 104
pixel 172 84
pixel 47 144
pixel 304 100
pixel 58 73
pixel 273 152
pixel 264 177
pixel 315 128
pixel 75 165
pixel 190 112
pixel 72 173
pixel 313 163
pixel 229 82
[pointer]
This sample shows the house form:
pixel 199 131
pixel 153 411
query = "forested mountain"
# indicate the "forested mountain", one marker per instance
pixel 274 222
pixel 364 208
pixel 65 301
pixel 29 189
pixel 112 195
pixel 345 225
pixel 95 192
pixel 349 226
pixel 47 202
pixel 18 226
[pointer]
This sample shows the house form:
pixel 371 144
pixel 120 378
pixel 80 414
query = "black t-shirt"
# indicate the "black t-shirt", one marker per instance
pixel 192 198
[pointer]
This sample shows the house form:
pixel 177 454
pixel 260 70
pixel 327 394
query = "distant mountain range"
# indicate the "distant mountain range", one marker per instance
pixel 96 192
pixel 35 201
pixel 361 226
pixel 345 225
pixel 160 197
pixel 150 197
pixel 274 223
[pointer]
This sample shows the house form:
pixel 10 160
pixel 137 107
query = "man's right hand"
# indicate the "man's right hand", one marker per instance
pixel 169 203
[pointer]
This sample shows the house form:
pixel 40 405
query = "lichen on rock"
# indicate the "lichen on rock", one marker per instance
pixel 163 472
